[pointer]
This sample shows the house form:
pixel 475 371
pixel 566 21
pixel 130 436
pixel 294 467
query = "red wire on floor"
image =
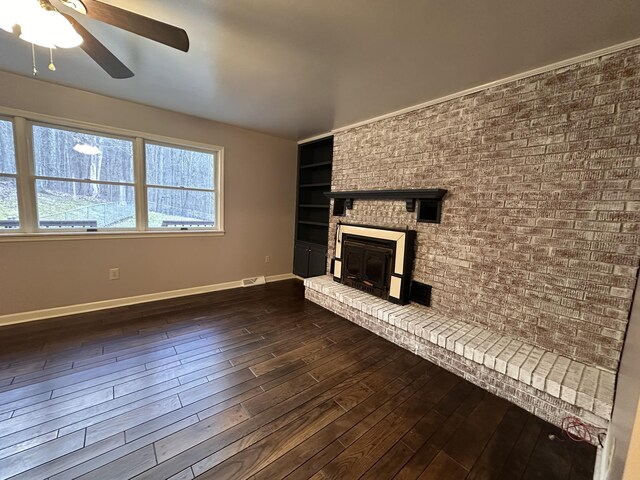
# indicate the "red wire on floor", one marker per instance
pixel 579 431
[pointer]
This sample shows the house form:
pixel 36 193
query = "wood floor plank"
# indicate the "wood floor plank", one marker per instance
pixel 257 384
pixel 519 456
pixel 92 459
pixel 120 423
pixel 552 457
pixel 252 459
pixel 308 458
pixel 124 467
pixel 199 432
pixel 362 454
pixel 269 420
pixel 20 462
pixel 443 466
pixel 499 447
pixel 471 438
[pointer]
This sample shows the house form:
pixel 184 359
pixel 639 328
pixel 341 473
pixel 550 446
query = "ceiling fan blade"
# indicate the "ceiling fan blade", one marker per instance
pixel 99 53
pixel 140 25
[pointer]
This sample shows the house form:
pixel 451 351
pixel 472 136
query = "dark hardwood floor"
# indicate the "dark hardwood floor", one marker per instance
pixel 252 383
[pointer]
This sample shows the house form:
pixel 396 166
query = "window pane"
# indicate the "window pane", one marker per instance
pixel 172 208
pixel 63 204
pixel 8 204
pixel 67 154
pixel 7 148
pixel 177 167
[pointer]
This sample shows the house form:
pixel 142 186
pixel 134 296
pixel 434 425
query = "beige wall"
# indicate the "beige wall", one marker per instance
pixel 632 468
pixel 260 175
pixel 626 404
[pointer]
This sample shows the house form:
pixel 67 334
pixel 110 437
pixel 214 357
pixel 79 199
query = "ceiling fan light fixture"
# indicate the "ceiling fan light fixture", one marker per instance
pixel 49 29
pixel 62 32
pixel 7 24
pixel 13 11
pixel 39 23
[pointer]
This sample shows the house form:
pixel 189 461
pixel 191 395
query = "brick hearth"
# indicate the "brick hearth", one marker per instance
pixel 542 382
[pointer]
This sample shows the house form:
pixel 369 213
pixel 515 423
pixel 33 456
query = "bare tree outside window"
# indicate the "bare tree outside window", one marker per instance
pixel 180 187
pixel 86 181
pixel 102 195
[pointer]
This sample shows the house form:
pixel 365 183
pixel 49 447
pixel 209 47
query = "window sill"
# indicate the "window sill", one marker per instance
pixel 45 237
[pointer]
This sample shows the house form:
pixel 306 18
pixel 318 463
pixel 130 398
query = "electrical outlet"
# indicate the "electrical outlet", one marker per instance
pixel 267 259
pixel 114 273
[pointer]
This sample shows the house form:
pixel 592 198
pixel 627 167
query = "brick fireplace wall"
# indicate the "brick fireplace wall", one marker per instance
pixel 540 230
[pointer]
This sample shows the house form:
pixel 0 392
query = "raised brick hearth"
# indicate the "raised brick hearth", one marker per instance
pixel 539 237
pixel 542 382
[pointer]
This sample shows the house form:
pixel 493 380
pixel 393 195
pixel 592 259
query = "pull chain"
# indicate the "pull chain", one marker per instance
pixel 52 66
pixel 33 59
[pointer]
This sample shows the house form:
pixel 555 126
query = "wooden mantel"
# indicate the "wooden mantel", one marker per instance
pixel 429 201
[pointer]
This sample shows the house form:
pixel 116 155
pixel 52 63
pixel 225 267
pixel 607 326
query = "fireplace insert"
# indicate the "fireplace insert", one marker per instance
pixel 367 265
pixel 375 260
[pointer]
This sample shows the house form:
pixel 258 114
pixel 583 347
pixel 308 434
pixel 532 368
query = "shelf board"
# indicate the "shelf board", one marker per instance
pixel 313 206
pixel 415 194
pixel 315 165
pixel 317 224
pixel 311 185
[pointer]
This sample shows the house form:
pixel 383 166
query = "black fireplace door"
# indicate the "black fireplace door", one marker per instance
pixel 367 266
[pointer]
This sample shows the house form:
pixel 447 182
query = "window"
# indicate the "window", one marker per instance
pixel 83 181
pixel 180 187
pixel 9 217
pixel 74 180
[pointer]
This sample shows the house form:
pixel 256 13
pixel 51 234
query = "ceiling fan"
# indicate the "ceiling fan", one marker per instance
pixel 46 23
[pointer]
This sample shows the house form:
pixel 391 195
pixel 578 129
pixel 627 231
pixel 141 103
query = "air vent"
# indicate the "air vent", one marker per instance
pixel 250 282
pixel 420 293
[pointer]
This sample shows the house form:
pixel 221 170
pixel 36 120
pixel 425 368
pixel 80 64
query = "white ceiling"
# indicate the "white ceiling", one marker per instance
pixel 297 68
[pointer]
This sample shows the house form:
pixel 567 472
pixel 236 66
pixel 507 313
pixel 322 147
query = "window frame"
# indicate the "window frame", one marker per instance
pixel 145 201
pixel 30 229
pixel 13 175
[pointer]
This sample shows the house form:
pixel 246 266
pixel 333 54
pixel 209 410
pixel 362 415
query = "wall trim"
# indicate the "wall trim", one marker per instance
pixel 315 137
pixel 23 317
pixel 518 76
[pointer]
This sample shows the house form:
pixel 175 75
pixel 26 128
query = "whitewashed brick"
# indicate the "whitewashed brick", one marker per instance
pixel 571 382
pixel 556 376
pixel 541 372
pixel 478 354
pixel 587 389
pixel 530 364
pixel 503 358
pixel 492 354
pixel 514 364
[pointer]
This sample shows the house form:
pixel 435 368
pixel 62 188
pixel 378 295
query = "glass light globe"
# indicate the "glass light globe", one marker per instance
pixel 39 26
pixel 61 31
pixel 14 12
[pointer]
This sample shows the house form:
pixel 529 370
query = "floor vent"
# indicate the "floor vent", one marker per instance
pixel 250 282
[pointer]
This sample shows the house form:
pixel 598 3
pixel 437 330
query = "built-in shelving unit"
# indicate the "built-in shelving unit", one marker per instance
pixel 312 212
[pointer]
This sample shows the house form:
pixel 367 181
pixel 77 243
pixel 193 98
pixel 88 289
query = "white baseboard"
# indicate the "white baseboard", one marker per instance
pixel 34 315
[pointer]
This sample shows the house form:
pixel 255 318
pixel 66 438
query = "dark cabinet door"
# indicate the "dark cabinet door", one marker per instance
pixel 317 261
pixel 309 261
pixel 301 260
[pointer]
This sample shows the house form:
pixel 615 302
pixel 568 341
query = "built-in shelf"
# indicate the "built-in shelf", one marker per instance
pixel 429 201
pixel 313 207
pixel 315 165
pixel 311 185
pixel 317 224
